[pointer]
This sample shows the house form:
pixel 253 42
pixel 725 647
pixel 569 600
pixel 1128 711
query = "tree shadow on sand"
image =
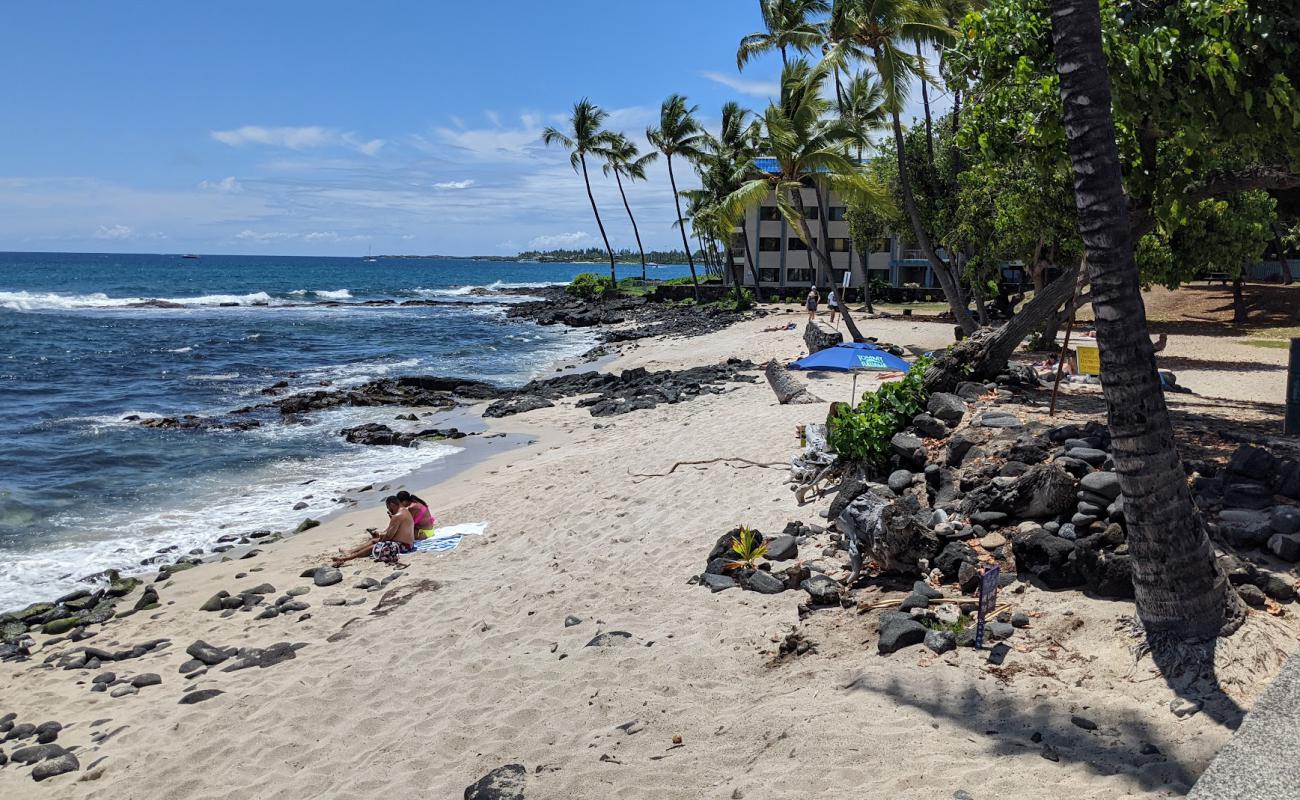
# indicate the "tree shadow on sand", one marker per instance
pixel 1177 363
pixel 1122 742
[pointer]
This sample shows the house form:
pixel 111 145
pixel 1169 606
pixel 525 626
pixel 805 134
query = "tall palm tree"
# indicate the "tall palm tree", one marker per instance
pixel 725 162
pixel 809 146
pixel 678 134
pixel 586 136
pixel 882 30
pixel 1179 587
pixel 788 25
pixel 623 159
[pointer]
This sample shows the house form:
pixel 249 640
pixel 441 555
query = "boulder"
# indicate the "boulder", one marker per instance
pixel 898 631
pixel 717 583
pixel 503 783
pixel 1103 484
pixel 822 590
pixel 1252 462
pixel 59 765
pixel 998 418
pixel 327 576
pixel 1247 494
pixel 899 480
pixel 953 555
pixel 910 450
pixel 782 548
pixel 207 654
pixel 940 641
pixel 1044 491
pixel 929 427
pixel 1245 527
pixel 1285 519
pixel 1285 546
pixel 1090 456
pixel 1050 558
pixel 1251 595
pixel 516 405
pixel 948 407
pixel 762 582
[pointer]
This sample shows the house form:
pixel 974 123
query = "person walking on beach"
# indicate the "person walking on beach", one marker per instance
pixel 398 538
pixel 811 302
pixel 421 517
pixel 832 302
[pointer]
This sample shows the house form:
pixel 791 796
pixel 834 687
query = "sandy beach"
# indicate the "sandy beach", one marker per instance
pixel 568 639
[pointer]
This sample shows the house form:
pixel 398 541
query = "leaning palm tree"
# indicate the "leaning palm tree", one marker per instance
pixel 809 147
pixel 1181 592
pixel 788 25
pixel 678 134
pixel 586 136
pixel 884 31
pixel 624 160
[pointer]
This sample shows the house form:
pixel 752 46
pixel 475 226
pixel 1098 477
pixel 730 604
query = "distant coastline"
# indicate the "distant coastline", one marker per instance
pixel 589 256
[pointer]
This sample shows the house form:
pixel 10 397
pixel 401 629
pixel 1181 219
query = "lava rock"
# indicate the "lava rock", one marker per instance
pixel 503 783
pixel 782 548
pixel 763 582
pixel 516 405
pixel 1049 558
pixel 898 631
pixel 948 407
pixel 146 679
pixel 900 480
pixel 929 427
pixel 1285 546
pixel 822 590
pixel 35 753
pixel 59 765
pixel 199 696
pixel 327 576
pixel 207 654
pixel 940 641
pixel 1252 595
pixel 717 583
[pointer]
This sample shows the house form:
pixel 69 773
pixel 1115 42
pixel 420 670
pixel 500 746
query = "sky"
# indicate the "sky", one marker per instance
pixel 332 128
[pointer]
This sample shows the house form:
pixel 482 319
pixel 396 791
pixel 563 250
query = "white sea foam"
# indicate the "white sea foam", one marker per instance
pixel 181 350
pixel 219 378
pixel 211 506
pixel 59 301
pixel 324 294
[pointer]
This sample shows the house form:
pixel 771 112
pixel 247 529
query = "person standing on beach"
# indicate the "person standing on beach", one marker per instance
pixel 398 538
pixel 832 302
pixel 811 302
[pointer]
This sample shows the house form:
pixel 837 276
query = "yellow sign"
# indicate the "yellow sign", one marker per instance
pixel 1089 359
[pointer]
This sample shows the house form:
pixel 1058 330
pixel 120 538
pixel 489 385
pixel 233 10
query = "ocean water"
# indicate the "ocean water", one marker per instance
pixel 82 490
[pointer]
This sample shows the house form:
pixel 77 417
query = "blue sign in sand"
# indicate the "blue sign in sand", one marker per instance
pixel 988 601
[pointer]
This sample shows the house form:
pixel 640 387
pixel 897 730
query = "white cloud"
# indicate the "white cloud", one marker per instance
pixel 114 232
pixel 227 185
pixel 293 138
pixel 304 138
pixel 744 86
pixel 561 240
pixel 312 236
pixel 263 236
pixel 465 184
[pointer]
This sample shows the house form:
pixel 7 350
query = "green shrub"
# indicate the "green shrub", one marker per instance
pixel 587 286
pixel 863 433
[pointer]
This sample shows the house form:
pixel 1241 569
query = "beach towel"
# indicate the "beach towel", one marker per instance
pixel 448 537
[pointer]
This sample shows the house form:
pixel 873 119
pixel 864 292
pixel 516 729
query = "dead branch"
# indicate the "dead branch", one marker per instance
pixel 745 463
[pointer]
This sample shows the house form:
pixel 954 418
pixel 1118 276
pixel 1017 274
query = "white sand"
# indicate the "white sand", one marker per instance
pixel 477 669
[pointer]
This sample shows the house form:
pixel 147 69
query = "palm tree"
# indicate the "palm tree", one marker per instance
pixel 809 146
pixel 585 136
pixel 787 25
pixel 623 159
pixel 1179 588
pixel 678 134
pixel 881 29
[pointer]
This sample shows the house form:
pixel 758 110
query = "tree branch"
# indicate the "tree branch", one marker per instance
pixel 1219 185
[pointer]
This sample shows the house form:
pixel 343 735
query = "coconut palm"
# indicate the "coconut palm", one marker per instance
pixel 809 147
pixel 788 25
pixel 884 31
pixel 1180 589
pixel 678 134
pixel 586 136
pixel 624 160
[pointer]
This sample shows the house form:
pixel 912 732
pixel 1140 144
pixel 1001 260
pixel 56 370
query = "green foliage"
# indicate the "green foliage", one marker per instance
pixel 597 254
pixel 748 547
pixel 955 628
pixel 863 433
pixel 587 286
pixel 1218 236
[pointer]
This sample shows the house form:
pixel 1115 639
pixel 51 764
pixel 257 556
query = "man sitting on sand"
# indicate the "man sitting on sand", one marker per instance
pixel 397 538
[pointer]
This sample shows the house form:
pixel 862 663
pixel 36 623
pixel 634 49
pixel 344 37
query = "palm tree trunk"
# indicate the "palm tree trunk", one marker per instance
pixel 808 240
pixel 925 103
pixel 1238 301
pixel 632 219
pixel 1179 587
pixel 613 277
pixel 823 211
pixel 681 225
pixel 749 259
pixel 951 288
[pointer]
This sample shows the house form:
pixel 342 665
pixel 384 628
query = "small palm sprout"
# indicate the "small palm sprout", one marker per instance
pixel 748 546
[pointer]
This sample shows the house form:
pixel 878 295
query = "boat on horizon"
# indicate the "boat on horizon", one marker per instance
pixel 189 255
pixel 369 257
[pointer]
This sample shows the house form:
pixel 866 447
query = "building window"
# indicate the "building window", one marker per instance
pixel 769 213
pixel 836 213
pixel 796 243
pixel 769 244
pixel 839 245
pixel 811 212
pixel 798 276
pixel 769 275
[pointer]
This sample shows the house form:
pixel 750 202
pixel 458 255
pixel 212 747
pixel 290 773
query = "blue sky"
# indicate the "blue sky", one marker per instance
pixel 330 128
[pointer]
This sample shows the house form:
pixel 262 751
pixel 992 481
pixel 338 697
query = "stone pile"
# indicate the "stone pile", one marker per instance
pixel 34 745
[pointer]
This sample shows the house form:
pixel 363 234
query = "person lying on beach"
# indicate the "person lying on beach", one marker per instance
pixel 396 539
pixel 773 328
pixel 421 517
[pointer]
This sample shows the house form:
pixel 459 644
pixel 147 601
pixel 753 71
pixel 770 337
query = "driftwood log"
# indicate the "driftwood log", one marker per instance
pixel 788 389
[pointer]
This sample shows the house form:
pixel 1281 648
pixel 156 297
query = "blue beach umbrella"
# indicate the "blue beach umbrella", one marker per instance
pixel 852 357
